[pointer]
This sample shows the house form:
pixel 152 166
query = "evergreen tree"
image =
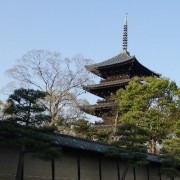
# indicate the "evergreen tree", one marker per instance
pixel 25 113
pixel 130 146
pixel 26 107
pixel 151 103
pixel 171 154
pixel 83 128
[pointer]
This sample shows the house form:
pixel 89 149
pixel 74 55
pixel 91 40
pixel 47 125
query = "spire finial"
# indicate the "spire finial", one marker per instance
pixel 125 19
pixel 125 35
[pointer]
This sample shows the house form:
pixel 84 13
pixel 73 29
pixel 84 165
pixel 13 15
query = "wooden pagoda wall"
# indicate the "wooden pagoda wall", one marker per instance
pixel 73 165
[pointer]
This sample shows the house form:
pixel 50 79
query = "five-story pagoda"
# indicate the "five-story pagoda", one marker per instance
pixel 115 72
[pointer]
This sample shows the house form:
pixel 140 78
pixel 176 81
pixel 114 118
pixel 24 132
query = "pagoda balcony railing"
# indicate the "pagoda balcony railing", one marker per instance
pixel 104 104
pixel 105 83
pixel 114 78
pixel 104 101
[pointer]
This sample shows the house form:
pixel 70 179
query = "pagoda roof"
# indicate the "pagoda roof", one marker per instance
pixel 120 58
pixel 106 84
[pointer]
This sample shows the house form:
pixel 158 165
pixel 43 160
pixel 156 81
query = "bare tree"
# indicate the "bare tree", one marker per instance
pixel 61 78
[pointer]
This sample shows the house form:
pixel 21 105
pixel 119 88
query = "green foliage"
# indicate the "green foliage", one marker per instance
pixel 177 129
pixel 83 128
pixel 171 148
pixel 151 103
pixel 25 107
pixel 103 135
pixel 170 168
pixel 171 157
pixel 132 137
pixel 131 144
pixel 33 139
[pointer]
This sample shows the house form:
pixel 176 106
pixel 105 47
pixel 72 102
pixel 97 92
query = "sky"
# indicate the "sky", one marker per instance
pixel 94 29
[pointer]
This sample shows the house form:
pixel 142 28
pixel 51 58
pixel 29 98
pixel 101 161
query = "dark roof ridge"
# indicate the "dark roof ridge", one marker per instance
pixel 120 58
pixel 80 138
pixel 99 148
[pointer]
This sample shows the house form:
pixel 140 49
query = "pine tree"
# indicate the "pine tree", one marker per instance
pixel 151 103
pixel 25 114
pixel 25 107
pixel 130 146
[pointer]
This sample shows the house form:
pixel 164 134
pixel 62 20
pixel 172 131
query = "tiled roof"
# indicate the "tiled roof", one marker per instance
pixel 79 143
pixel 117 60
pixel 88 145
pixel 120 58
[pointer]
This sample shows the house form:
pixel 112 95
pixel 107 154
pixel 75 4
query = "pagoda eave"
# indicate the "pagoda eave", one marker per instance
pixel 117 83
pixel 150 72
pixel 98 70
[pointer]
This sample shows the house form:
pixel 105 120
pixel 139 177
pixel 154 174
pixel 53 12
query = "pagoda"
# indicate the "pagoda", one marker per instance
pixel 115 73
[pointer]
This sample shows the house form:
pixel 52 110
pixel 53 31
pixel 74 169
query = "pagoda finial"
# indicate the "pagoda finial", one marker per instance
pixel 125 35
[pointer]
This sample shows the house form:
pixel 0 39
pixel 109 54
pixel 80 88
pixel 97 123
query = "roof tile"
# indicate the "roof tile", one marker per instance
pixel 120 58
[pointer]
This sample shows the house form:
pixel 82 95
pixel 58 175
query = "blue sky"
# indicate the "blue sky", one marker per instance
pixel 94 29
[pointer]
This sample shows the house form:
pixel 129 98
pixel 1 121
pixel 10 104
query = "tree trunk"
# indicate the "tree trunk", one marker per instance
pixel 19 172
pixel 116 121
pixel 153 146
pixel 124 173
